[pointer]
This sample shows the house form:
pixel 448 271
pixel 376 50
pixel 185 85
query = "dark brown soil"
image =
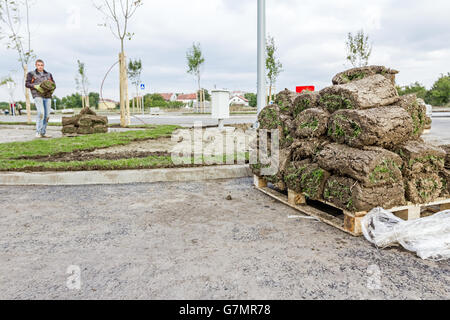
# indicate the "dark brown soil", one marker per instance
pixel 86 156
pixel 101 168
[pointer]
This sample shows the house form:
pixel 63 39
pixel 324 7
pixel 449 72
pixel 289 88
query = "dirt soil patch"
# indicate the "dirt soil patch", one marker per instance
pixel 86 156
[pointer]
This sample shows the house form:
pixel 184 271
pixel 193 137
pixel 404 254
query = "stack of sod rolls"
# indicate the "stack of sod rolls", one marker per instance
pixel 87 122
pixel 356 144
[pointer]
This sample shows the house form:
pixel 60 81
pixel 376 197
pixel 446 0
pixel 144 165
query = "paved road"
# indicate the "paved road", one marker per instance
pixel 439 134
pixel 440 131
pixel 164 241
pixel 187 121
pixel 15 133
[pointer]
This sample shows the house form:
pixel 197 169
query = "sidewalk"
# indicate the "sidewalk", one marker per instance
pixel 16 133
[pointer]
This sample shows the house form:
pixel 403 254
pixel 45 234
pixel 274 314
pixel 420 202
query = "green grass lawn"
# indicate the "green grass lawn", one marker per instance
pixel 102 164
pixel 44 147
pixel 15 156
pixel 10 153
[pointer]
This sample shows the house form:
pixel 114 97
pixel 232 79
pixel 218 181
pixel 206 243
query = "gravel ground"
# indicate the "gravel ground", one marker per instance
pixel 185 241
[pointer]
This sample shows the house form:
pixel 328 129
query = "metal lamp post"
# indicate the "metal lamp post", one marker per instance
pixel 261 55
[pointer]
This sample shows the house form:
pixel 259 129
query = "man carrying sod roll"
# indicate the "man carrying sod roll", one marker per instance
pixel 42 86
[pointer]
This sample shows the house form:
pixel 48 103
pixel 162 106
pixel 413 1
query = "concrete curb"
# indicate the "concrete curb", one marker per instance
pixel 124 176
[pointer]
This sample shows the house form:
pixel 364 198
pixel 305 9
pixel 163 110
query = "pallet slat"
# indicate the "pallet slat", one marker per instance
pixel 348 222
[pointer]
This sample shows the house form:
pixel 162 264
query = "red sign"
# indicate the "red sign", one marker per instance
pixel 303 88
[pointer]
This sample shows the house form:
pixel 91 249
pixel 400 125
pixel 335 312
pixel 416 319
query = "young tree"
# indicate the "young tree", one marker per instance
pixel 195 61
pixel 134 73
pixel 358 49
pixel 439 94
pixel 252 99
pixel 11 87
pixel 273 65
pixel 204 93
pixel 117 14
pixel 12 20
pixel 415 88
pixel 82 83
pixel 94 99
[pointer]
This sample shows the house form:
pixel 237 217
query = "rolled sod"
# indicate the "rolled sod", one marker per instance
pixel 308 148
pixel 371 167
pixel 417 111
pixel 446 148
pixel 285 100
pixel 349 194
pixel 307 178
pixel 384 127
pixel 423 187
pixel 305 100
pixel 311 123
pixel 423 164
pixel 355 74
pixel 370 92
pixel 421 157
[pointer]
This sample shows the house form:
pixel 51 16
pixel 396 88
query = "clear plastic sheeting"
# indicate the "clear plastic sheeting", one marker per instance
pixel 428 237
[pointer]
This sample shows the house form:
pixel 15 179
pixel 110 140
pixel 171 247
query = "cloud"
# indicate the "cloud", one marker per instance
pixel 411 36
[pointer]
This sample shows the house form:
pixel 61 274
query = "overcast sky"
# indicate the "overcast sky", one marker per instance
pixel 411 36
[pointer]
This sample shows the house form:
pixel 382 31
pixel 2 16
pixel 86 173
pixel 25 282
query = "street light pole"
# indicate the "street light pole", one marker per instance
pixel 261 55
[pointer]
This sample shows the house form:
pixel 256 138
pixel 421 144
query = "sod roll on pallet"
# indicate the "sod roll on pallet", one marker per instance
pixel 356 144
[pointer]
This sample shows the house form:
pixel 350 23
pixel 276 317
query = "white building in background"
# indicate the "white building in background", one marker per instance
pixel 169 96
pixel 238 100
pixel 188 99
pixel 107 104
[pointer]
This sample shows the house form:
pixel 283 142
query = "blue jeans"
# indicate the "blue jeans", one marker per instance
pixel 43 110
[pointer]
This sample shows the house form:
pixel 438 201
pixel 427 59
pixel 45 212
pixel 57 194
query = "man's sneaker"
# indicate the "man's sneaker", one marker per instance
pixel 45 136
pixel 38 135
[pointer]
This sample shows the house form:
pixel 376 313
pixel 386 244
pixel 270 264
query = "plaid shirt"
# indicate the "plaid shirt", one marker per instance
pixel 35 78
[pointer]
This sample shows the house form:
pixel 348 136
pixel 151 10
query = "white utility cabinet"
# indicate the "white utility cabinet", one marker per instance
pixel 220 104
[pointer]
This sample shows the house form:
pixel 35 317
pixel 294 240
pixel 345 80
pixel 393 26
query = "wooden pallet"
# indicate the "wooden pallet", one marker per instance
pixel 347 221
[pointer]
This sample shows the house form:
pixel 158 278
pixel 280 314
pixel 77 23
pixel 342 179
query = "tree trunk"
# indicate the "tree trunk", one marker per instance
pixel 27 95
pixel 203 100
pixel 123 121
pixel 270 94
pixel 127 100
pixel 199 97
pixel 87 102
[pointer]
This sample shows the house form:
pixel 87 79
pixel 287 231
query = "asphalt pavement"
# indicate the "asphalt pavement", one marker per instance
pixel 182 120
